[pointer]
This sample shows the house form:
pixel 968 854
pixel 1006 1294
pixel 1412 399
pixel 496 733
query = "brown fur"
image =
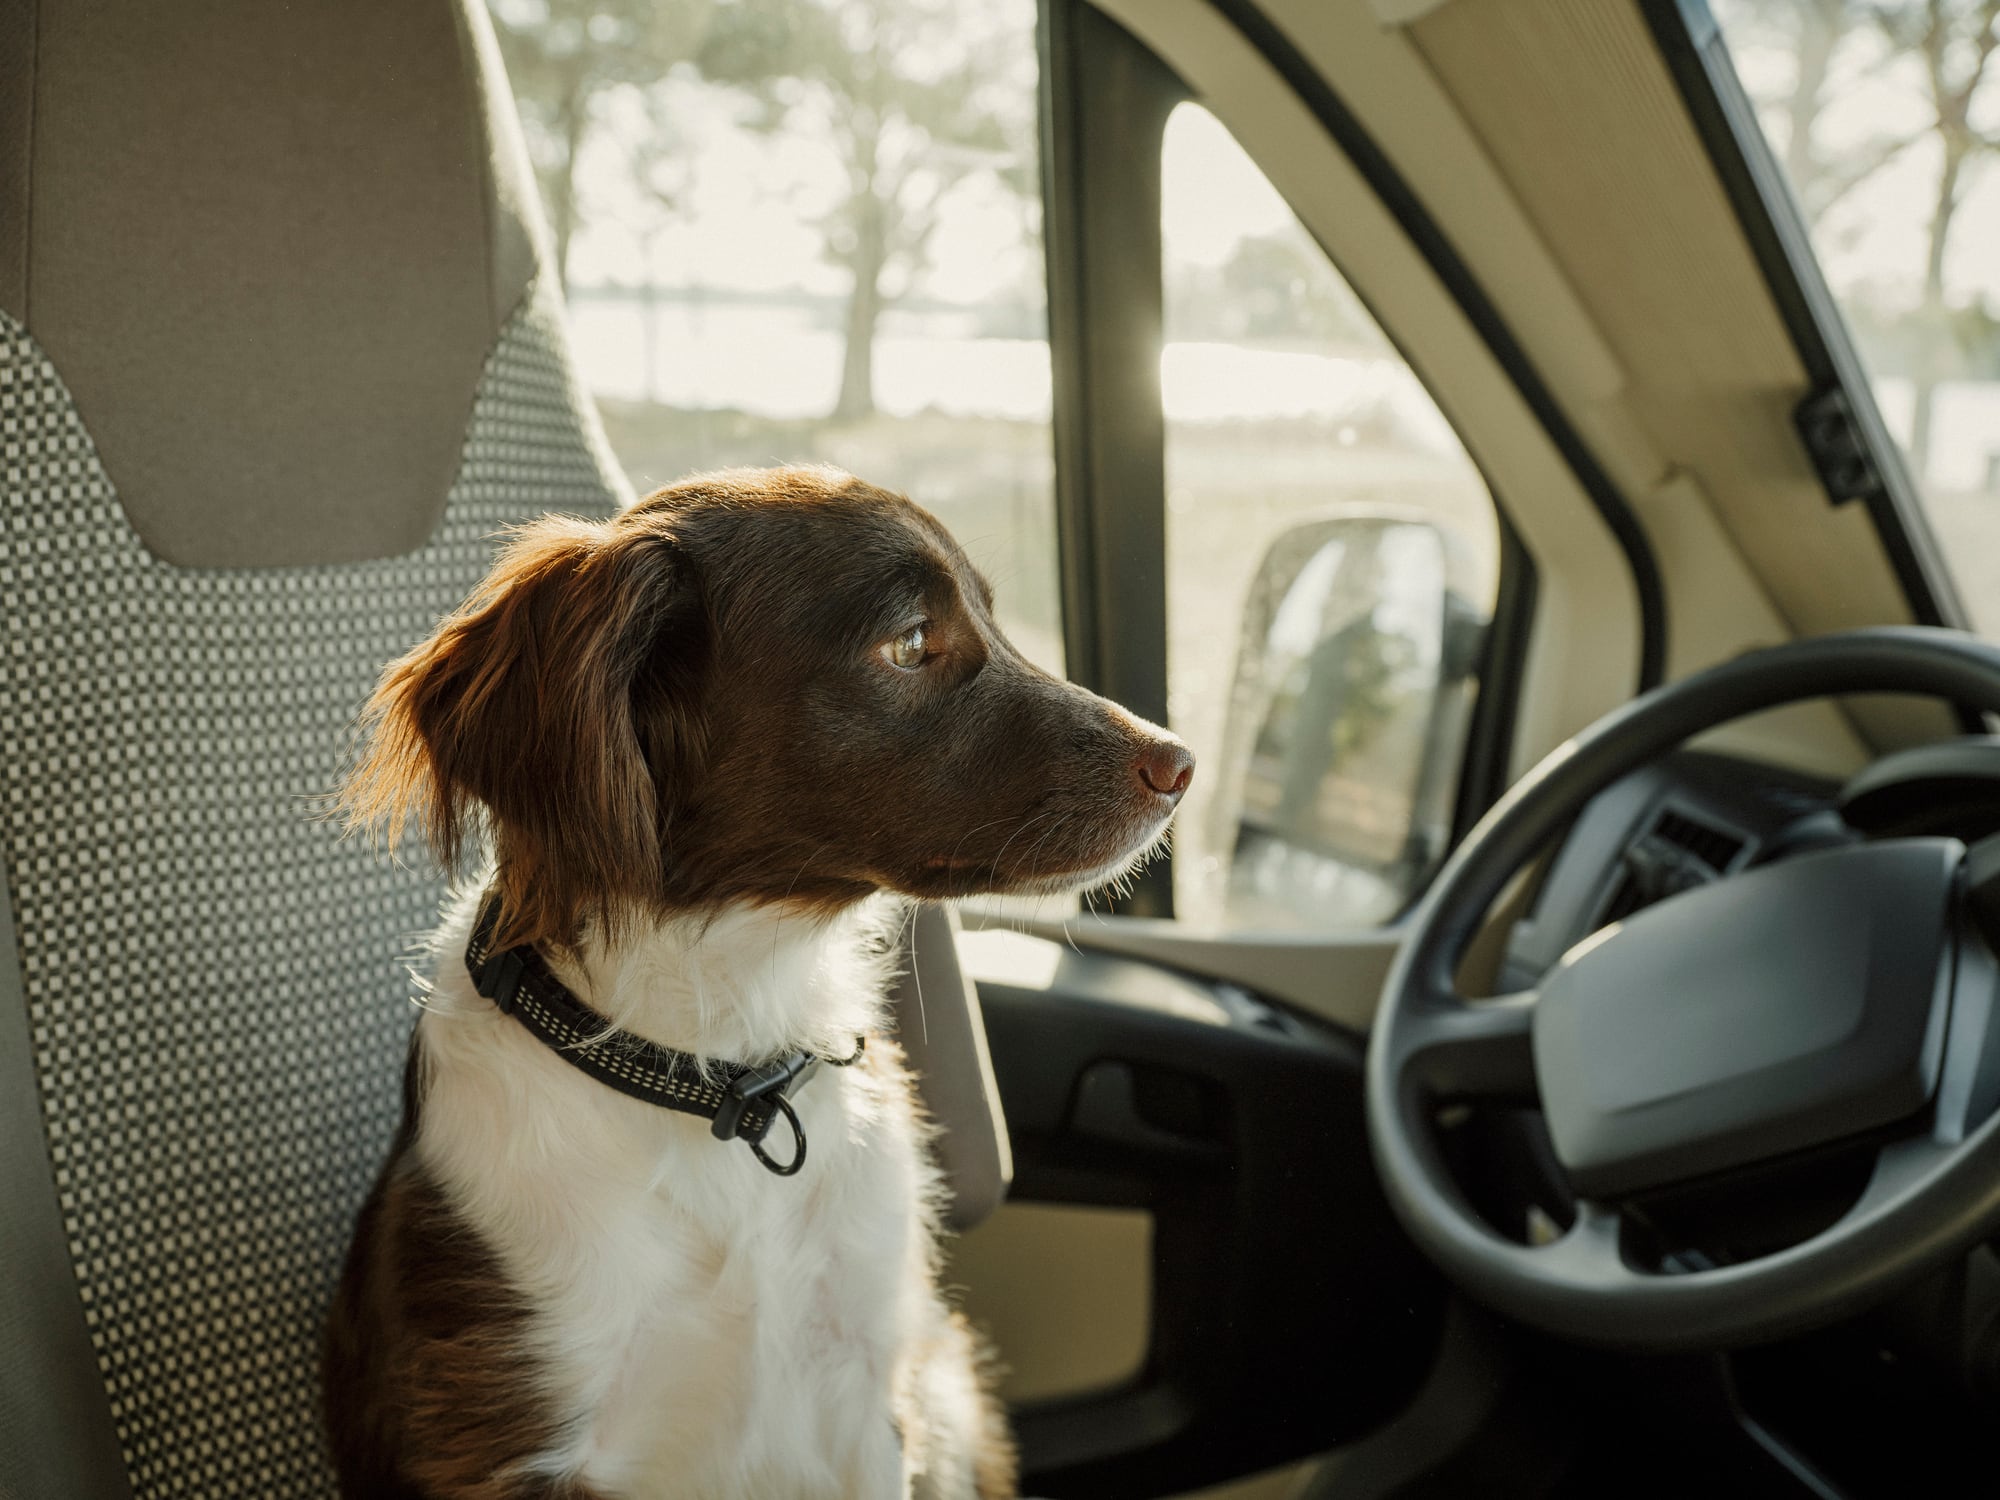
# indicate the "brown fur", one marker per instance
pixel 680 707
pixel 525 709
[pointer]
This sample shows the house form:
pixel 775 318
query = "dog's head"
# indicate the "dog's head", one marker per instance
pixel 773 685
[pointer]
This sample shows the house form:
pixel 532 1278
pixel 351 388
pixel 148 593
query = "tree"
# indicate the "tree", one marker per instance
pixel 1280 285
pixel 1822 177
pixel 913 101
pixel 563 58
pixel 1954 41
pixel 1816 34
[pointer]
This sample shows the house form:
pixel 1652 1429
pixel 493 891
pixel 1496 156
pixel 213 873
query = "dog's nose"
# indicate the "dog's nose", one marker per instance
pixel 1166 766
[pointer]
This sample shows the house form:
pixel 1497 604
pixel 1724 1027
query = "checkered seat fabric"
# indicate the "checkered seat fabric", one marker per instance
pixel 280 357
pixel 264 408
pixel 211 973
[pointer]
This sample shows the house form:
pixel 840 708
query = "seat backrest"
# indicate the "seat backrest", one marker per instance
pixel 279 356
pixel 277 361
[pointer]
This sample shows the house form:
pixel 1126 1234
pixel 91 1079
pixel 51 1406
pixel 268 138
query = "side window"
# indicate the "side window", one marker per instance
pixel 1332 560
pixel 800 230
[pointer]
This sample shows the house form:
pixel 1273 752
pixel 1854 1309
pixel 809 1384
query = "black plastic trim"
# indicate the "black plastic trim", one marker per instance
pixel 1696 54
pixel 1489 741
pixel 1105 102
pixel 1400 199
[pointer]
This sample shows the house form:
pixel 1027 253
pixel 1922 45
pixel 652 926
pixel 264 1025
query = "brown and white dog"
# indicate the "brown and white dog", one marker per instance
pixel 700 739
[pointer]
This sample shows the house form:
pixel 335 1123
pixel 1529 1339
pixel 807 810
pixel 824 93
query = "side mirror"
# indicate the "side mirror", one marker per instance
pixel 1347 722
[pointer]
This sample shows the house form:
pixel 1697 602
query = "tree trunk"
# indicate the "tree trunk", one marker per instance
pixel 1930 364
pixel 1820 25
pixel 864 307
pixel 649 310
pixel 562 183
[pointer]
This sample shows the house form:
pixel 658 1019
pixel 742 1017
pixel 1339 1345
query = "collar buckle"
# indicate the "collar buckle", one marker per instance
pixel 499 978
pixel 773 1081
pixel 777 1077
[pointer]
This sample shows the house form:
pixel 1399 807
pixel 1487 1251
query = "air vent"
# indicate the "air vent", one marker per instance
pixel 1627 898
pixel 1714 847
pixel 1674 854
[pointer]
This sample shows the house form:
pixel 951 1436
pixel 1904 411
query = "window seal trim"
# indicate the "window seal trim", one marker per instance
pixel 1101 239
pixel 1485 765
pixel 1696 53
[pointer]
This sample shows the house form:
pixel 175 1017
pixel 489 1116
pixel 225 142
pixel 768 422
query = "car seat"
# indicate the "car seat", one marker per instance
pixel 280 353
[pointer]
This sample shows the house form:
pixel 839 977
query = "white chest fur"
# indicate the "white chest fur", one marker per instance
pixel 707 1329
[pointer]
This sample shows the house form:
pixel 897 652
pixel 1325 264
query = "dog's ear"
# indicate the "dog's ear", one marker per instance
pixel 555 702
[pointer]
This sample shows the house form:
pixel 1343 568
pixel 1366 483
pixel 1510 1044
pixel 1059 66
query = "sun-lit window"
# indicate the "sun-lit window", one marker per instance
pixel 809 230
pixel 1287 410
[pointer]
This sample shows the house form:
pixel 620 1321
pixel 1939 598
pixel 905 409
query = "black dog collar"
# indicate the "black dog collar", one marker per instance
pixel 742 1100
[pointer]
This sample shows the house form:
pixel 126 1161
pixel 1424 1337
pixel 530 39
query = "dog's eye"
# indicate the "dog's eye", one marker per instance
pixel 906 651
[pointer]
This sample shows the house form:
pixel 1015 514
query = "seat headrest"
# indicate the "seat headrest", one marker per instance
pixel 268 248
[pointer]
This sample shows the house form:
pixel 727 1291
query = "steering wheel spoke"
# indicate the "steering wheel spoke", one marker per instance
pixel 1900 1168
pixel 1476 1050
pixel 1590 1251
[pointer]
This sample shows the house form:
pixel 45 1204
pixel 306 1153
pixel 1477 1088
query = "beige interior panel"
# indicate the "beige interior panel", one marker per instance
pixel 1336 976
pixel 1717 608
pixel 1574 107
pixel 1065 1295
pixel 1640 405
pixel 1385 81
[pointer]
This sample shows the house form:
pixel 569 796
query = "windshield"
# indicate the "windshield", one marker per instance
pixel 1886 119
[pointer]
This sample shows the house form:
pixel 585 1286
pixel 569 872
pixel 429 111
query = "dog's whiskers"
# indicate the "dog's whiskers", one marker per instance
pixel 1026 824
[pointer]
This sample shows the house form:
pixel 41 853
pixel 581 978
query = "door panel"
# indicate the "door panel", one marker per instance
pixel 1286 1311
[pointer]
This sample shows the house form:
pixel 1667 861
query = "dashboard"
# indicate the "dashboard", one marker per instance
pixel 1689 819
pixel 1694 817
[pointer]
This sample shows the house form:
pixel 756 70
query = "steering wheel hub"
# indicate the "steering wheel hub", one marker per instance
pixel 1786 1008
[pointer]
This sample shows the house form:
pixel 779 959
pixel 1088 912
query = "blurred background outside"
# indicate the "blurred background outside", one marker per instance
pixel 811 229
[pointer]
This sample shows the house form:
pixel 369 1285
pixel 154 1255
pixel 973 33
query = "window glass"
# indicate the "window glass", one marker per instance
pixel 804 231
pixel 1332 557
pixel 1886 117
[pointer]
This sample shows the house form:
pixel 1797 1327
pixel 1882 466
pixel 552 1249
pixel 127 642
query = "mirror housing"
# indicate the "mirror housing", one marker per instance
pixel 1355 675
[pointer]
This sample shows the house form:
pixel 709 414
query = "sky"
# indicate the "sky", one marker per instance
pixel 746 217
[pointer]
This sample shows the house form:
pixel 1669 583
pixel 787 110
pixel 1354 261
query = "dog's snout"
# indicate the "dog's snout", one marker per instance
pixel 1166 766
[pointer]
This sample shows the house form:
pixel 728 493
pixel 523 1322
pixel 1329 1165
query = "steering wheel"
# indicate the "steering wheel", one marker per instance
pixel 1848 995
